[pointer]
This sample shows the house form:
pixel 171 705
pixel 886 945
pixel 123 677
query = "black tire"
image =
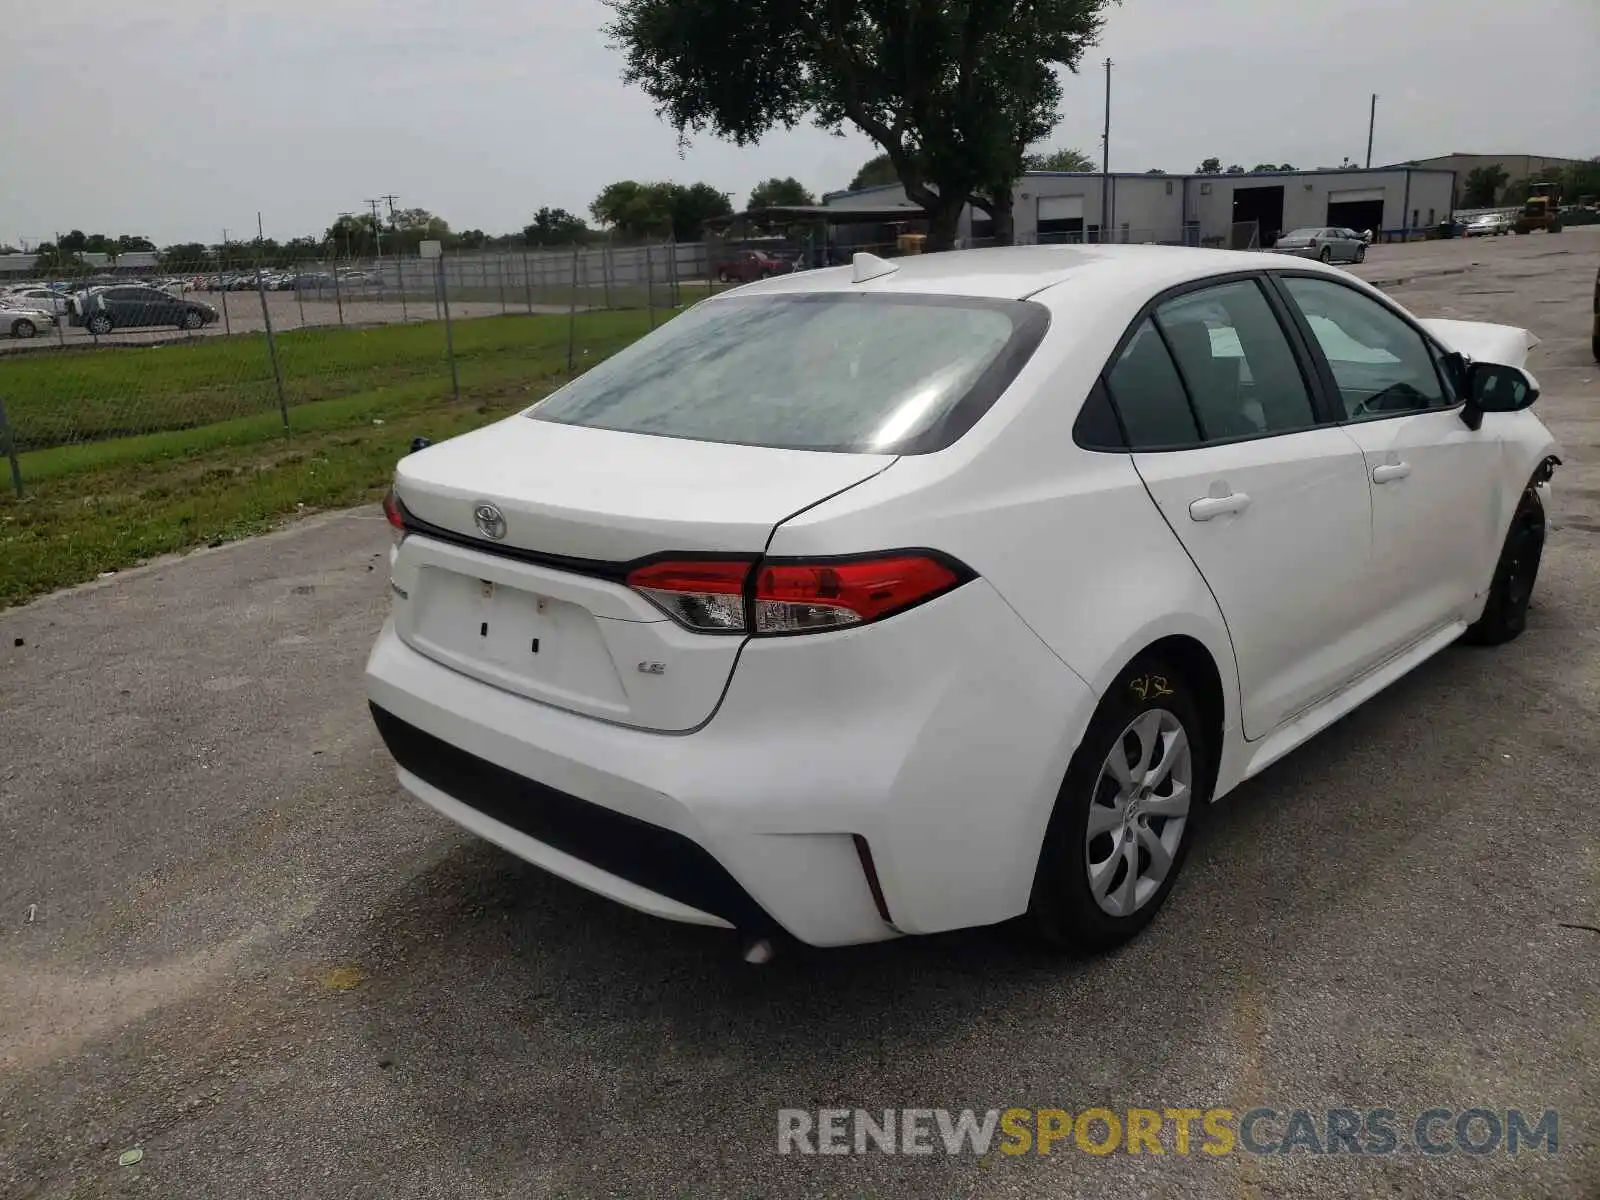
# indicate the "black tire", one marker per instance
pixel 24 328
pixel 1327 254
pixel 1505 614
pixel 99 324
pixel 193 318
pixel 1062 911
pixel 1594 346
pixel 1361 254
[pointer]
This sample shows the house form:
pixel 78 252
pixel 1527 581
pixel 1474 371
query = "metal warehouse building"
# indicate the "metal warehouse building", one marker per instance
pixel 1214 210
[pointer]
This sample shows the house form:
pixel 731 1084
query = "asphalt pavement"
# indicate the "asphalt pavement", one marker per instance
pixel 229 942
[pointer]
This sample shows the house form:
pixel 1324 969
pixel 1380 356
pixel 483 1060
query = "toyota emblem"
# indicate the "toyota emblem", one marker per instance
pixel 490 520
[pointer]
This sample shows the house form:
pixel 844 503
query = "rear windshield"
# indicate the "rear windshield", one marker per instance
pixel 830 371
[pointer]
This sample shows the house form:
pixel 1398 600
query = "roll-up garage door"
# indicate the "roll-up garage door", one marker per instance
pixel 1061 218
pixel 1060 208
pixel 1357 208
pixel 1358 196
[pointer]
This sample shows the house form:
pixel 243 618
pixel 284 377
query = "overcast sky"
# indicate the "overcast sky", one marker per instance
pixel 176 118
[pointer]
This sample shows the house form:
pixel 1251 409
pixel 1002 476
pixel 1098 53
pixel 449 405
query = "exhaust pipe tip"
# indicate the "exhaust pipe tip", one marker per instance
pixel 759 951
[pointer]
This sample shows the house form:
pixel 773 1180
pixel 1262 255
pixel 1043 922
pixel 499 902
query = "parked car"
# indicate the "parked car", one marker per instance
pixel 743 266
pixel 128 307
pixel 1328 243
pixel 43 298
pixel 1488 225
pixel 22 322
pixel 916 595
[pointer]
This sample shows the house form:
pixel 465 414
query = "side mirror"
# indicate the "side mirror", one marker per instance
pixel 1495 387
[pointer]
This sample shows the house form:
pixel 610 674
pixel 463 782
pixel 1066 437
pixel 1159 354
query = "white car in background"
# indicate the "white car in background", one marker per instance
pixel 21 320
pixel 45 299
pixel 902 597
pixel 1495 224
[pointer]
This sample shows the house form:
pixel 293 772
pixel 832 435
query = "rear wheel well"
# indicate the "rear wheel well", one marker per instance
pixel 1199 670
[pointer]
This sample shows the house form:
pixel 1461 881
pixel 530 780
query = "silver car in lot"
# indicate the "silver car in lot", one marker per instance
pixel 46 299
pixel 1495 224
pixel 21 321
pixel 1330 243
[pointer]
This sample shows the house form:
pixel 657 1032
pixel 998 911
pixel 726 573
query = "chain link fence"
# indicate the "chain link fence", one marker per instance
pixel 88 358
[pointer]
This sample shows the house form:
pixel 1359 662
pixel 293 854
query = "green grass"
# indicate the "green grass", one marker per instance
pixel 62 397
pixel 211 461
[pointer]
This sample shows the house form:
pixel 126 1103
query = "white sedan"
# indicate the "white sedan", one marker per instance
pixel 19 319
pixel 902 597
pixel 49 300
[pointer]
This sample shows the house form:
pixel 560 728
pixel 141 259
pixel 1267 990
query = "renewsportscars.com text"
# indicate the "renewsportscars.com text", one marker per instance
pixel 1180 1131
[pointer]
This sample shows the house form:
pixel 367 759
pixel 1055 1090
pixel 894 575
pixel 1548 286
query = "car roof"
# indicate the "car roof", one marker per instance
pixel 1016 272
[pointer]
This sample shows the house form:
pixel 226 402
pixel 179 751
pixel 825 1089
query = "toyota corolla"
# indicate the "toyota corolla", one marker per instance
pixel 909 596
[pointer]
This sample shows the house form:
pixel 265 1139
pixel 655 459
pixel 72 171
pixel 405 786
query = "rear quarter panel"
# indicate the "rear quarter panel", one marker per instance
pixel 1068 537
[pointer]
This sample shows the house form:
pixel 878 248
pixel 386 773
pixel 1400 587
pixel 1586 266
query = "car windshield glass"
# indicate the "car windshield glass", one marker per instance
pixel 869 374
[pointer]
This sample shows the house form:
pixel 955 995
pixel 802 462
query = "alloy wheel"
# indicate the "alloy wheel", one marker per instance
pixel 1138 812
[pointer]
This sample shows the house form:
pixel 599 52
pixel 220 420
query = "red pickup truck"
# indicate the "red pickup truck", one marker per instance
pixel 744 266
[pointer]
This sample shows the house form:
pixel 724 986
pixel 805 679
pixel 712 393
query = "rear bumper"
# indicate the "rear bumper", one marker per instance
pixel 644 865
pixel 942 751
pixel 1298 251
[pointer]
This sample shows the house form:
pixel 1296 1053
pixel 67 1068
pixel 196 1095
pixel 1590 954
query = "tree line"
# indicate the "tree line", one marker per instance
pixel 1487 186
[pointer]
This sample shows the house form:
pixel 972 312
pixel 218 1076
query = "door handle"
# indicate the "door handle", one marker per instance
pixel 1386 472
pixel 1207 507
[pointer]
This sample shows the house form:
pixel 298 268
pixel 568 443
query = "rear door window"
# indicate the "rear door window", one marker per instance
pixel 1241 372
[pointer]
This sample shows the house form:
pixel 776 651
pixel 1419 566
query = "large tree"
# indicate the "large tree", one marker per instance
pixel 410 227
pixel 555 227
pixel 51 259
pixel 780 193
pixel 877 171
pixel 953 92
pixel 1209 166
pixel 1065 159
pixel 646 210
pixel 186 256
pixel 1483 185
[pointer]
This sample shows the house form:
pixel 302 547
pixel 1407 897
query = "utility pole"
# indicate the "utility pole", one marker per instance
pixel 389 199
pixel 1372 120
pixel 1105 163
pixel 377 230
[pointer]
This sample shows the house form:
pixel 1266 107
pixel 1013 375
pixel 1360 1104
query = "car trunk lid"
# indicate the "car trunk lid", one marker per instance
pixel 543 610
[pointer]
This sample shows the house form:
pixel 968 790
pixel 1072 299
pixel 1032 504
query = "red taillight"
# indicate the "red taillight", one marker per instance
pixel 710 595
pixel 392 510
pixel 702 594
pixel 799 597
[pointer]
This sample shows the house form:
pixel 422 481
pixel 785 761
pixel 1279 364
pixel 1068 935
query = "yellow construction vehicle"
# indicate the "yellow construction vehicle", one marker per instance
pixel 1542 209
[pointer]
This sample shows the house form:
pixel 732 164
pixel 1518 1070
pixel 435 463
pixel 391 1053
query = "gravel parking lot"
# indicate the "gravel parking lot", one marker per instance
pixel 228 941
